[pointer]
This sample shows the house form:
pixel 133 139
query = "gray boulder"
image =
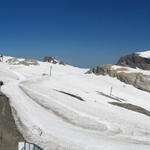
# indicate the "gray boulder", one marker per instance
pixel 101 70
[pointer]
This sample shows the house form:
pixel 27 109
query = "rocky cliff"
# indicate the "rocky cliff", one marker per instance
pixel 9 134
pixel 137 79
pixel 134 60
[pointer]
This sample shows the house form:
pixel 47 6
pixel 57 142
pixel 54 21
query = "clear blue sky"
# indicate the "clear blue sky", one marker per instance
pixel 83 33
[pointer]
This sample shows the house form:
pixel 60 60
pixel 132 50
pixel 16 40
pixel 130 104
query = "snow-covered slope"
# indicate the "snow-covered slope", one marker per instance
pixel 71 110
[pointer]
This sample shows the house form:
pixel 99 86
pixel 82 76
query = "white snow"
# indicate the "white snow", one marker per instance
pixel 145 54
pixel 54 120
pixel 130 70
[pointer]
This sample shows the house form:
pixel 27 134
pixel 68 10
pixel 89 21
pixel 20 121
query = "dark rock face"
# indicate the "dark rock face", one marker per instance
pixel 134 60
pixel 138 80
pixel 61 63
pixel 9 134
pixel 52 60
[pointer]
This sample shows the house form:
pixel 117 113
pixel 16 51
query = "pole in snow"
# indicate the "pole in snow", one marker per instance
pixel 50 73
pixel 111 88
pixel 1 84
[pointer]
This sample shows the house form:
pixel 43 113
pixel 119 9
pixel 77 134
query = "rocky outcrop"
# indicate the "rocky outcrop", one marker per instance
pixel 138 80
pixel 134 60
pixel 106 70
pixel 101 70
pixel 26 62
pixel 52 60
pixel 9 134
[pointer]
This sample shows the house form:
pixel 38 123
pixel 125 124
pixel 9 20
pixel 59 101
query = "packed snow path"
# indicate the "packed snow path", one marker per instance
pixel 55 120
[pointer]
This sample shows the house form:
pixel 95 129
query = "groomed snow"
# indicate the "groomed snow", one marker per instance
pixel 55 120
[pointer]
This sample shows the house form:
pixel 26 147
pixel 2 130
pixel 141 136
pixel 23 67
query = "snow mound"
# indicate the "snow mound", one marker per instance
pixel 53 60
pixel 145 54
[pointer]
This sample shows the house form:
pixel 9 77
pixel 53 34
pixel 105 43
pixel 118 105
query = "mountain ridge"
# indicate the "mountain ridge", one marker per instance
pixel 123 70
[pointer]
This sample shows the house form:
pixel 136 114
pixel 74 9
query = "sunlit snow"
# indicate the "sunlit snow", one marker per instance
pixel 58 121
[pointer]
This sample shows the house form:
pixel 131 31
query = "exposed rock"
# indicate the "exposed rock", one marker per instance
pixel 138 80
pixel 52 60
pixel 106 70
pixel 61 63
pixel 101 70
pixel 134 60
pixel 9 134
pixel 26 62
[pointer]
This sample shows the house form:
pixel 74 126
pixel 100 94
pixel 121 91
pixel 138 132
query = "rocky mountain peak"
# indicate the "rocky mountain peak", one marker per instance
pixel 53 60
pixel 135 60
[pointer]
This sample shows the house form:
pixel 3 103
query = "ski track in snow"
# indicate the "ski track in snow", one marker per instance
pixel 54 120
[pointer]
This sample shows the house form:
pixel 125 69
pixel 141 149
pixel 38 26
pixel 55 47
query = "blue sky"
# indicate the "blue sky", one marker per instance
pixel 83 33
